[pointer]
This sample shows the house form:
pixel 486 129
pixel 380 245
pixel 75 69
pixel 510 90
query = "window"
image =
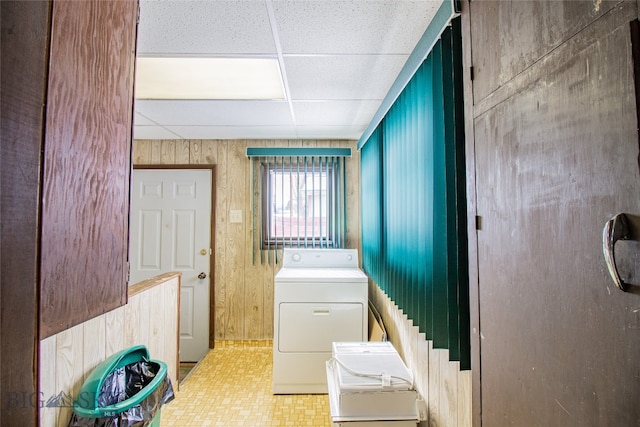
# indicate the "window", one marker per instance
pixel 299 199
pixel 297 205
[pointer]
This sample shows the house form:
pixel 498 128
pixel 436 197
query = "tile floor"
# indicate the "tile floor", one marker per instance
pixel 231 387
pixel 185 368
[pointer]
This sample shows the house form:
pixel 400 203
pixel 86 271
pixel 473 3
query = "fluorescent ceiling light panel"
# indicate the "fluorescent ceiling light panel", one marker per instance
pixel 208 78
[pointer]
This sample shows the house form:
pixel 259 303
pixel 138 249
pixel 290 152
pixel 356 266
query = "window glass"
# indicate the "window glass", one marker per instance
pixel 298 203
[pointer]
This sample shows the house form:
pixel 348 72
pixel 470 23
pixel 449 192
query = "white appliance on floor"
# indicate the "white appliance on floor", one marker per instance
pixel 320 296
pixel 369 385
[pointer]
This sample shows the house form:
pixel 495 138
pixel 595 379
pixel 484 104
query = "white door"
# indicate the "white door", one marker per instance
pixel 171 231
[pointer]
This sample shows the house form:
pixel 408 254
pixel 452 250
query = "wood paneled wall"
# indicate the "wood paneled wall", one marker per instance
pixel 67 358
pixel 243 287
pixel 445 389
pixel 67 92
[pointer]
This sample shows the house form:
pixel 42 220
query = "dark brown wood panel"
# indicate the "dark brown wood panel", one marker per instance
pixel 472 243
pixel 87 161
pixel 555 159
pixel 25 39
pixel 513 35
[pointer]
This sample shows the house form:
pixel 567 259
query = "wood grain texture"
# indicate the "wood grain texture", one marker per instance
pixel 269 271
pixel 465 407
pixel 421 373
pixel 254 271
pixel 133 316
pixel 527 31
pixel 152 282
pixel 25 40
pixel 70 371
pixel 160 323
pixel 142 152
pixel 157 320
pixel 116 329
pixel 449 388
pixel 168 152
pixel 472 234
pixel 435 387
pixel 195 150
pixel 88 136
pixel 445 389
pixel 212 259
pixel 237 162
pixel 68 357
pixel 146 312
pixel 47 383
pixel 171 328
pixel 222 213
pixel 94 343
pixel 556 157
pixel 156 152
pixel 242 285
pixel 182 152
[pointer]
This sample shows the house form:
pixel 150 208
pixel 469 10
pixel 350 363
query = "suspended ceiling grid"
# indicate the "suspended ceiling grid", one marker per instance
pixel 338 60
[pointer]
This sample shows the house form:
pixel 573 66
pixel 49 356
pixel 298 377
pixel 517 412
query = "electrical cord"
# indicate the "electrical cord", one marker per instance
pixel 385 379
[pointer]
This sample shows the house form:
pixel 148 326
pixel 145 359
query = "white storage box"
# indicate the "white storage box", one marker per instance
pixel 369 384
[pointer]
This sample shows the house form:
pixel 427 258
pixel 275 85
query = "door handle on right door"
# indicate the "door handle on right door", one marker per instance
pixel 622 226
pixel 202 275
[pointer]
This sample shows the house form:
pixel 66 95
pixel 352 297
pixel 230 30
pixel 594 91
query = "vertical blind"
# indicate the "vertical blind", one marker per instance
pixel 414 235
pixel 299 199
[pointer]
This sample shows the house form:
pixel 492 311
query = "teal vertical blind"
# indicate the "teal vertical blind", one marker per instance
pixel 371 174
pixel 414 236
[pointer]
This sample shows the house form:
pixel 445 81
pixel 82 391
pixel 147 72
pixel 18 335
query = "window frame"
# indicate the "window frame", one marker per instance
pixel 269 239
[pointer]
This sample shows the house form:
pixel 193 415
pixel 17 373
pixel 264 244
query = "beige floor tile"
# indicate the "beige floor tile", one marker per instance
pixel 231 387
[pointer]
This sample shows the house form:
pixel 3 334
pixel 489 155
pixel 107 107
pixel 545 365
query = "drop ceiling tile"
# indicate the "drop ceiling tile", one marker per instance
pixel 342 77
pixel 153 132
pixel 330 132
pixel 330 56
pixel 335 113
pixel 204 27
pixel 210 113
pixel 140 119
pixel 333 27
pixel 235 132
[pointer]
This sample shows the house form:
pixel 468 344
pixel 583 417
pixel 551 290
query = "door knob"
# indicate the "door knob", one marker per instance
pixel 202 275
pixel 620 227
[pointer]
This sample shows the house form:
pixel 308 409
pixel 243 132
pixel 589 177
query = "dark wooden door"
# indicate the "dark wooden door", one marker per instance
pixel 556 157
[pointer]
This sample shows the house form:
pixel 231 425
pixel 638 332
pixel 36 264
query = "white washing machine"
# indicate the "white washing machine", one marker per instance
pixel 320 297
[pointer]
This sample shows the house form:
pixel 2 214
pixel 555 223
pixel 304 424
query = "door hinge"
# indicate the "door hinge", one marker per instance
pixel 471 73
pixel 478 222
pixel 128 272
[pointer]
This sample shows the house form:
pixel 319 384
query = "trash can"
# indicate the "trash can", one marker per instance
pixel 126 390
